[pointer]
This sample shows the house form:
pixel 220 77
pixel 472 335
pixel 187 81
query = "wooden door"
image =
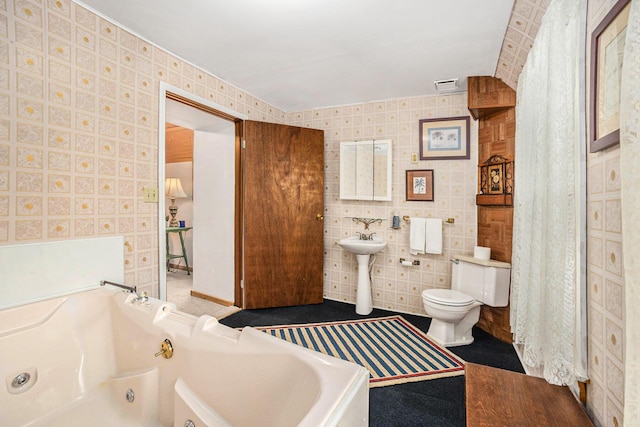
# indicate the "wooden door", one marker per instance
pixel 283 215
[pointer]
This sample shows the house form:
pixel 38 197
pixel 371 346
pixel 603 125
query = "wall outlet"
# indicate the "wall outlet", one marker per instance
pixel 150 195
pixel 414 158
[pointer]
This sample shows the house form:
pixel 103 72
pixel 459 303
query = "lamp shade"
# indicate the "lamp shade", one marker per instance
pixel 173 188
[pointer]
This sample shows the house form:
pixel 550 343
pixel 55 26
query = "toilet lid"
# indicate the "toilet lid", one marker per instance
pixel 447 297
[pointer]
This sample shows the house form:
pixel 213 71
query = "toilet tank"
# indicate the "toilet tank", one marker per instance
pixel 484 281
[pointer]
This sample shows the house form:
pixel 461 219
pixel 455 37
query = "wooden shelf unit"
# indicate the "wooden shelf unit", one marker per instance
pixel 488 95
pixel 492 103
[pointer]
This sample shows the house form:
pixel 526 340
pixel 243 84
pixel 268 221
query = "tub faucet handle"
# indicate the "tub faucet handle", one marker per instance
pixel 143 297
pixel 166 349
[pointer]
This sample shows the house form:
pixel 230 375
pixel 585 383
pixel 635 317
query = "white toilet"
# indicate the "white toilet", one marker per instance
pixel 455 311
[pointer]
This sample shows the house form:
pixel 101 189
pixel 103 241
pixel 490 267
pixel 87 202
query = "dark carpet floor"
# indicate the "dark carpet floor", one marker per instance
pixel 433 403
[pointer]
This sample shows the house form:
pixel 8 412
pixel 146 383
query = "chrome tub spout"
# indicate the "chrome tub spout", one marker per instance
pixel 132 289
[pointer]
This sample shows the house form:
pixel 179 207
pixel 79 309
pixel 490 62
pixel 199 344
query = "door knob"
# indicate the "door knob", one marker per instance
pixel 319 217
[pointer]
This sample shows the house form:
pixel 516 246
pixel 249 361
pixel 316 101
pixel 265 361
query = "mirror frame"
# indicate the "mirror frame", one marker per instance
pixel 352 166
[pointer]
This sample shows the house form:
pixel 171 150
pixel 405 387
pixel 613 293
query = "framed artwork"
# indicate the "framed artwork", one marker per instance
pixel 444 139
pixel 496 179
pixel 607 51
pixel 420 185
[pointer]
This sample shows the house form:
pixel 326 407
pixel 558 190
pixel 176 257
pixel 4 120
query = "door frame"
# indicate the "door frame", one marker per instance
pixel 167 91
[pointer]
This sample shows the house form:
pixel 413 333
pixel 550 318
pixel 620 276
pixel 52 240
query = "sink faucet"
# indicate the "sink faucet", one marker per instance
pixel 365 236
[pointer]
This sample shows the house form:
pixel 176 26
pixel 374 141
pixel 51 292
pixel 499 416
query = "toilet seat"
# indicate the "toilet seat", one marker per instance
pixel 448 297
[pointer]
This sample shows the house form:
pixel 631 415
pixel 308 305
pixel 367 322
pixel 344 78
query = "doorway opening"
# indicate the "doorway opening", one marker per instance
pixel 200 259
pixel 269 246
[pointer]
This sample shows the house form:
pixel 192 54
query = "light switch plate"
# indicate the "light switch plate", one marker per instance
pixel 150 195
pixel 414 158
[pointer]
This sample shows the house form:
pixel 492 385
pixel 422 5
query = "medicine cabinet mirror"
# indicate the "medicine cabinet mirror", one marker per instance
pixel 365 170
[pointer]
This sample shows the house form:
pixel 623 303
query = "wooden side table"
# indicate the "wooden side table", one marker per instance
pixel 170 256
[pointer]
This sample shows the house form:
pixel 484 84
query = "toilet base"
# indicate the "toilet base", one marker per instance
pixel 449 334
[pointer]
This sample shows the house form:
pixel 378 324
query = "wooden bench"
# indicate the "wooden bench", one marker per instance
pixel 496 397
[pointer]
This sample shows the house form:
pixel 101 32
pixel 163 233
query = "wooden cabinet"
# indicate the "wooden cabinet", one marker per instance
pixel 488 95
pixel 492 103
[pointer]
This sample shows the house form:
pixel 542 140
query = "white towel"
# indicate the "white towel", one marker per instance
pixel 417 235
pixel 433 236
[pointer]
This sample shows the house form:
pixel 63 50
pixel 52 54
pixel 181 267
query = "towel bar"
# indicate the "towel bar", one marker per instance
pixel 448 220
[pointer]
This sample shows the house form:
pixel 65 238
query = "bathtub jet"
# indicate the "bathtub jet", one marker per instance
pixel 89 359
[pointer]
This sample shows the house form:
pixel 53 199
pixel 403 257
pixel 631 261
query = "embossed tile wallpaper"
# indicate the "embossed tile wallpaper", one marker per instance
pixel 395 287
pixel 521 32
pixel 605 272
pixel 78 127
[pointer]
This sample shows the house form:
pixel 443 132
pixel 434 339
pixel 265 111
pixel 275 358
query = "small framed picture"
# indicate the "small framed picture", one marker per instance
pixel 420 185
pixel 607 49
pixel 496 179
pixel 444 139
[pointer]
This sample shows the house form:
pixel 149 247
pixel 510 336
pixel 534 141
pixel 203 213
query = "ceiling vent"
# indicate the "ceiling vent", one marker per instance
pixel 444 85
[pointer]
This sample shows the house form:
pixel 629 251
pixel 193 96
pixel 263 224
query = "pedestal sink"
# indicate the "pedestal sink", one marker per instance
pixel 363 249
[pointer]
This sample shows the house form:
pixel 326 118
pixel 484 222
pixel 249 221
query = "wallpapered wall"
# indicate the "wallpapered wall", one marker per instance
pixel 78 128
pixel 394 286
pixel 605 272
pixel 78 142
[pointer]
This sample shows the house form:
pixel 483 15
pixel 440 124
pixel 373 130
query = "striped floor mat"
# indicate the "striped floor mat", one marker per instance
pixel 392 349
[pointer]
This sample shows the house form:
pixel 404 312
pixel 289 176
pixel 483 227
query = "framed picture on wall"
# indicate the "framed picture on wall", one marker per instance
pixel 444 139
pixel 420 185
pixel 496 179
pixel 607 51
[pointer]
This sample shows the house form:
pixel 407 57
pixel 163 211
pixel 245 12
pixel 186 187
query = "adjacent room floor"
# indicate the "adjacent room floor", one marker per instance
pixel 179 285
pixel 433 403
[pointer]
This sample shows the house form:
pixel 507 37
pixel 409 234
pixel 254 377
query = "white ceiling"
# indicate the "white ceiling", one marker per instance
pixel 305 54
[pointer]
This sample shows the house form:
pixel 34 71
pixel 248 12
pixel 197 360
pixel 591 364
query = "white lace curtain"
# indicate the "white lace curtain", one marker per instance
pixel 545 260
pixel 630 193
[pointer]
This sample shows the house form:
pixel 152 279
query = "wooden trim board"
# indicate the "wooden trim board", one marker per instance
pixel 497 397
pixel 211 298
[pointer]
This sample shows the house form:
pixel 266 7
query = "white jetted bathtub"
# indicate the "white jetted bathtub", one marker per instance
pixel 89 359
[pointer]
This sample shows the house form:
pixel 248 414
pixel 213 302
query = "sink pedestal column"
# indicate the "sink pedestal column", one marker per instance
pixel 364 301
pixel 362 249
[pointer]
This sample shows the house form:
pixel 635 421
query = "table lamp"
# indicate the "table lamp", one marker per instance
pixel 173 189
